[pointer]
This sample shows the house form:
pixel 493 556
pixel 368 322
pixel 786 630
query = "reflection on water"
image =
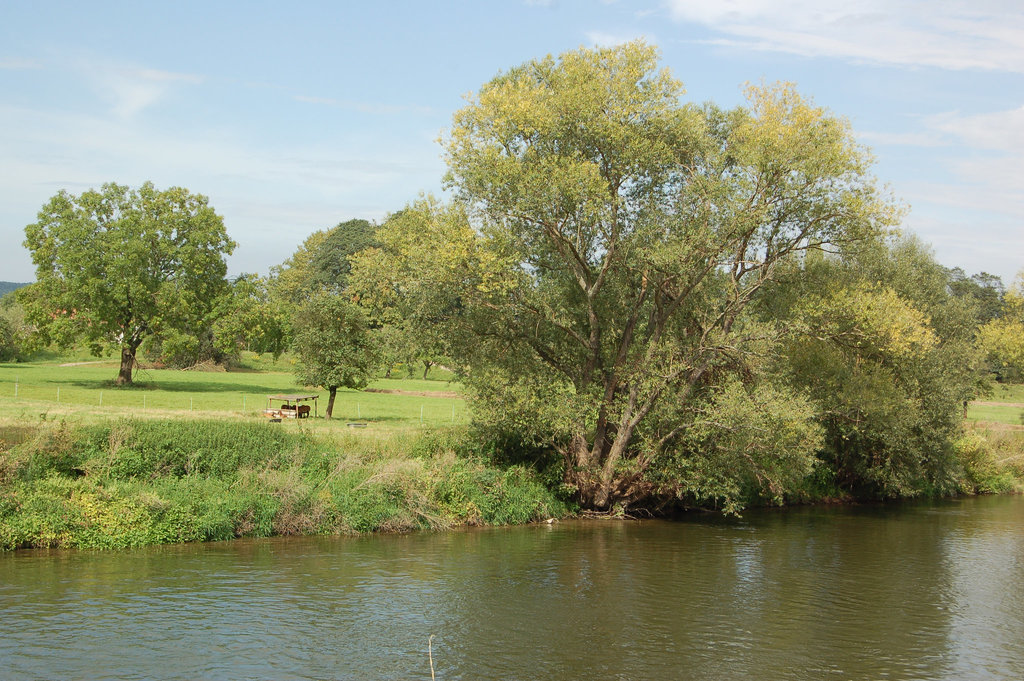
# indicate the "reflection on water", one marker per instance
pixel 916 591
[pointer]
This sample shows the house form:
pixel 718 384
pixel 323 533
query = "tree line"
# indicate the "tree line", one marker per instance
pixel 659 303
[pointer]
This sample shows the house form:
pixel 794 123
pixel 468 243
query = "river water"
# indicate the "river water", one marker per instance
pixel 908 591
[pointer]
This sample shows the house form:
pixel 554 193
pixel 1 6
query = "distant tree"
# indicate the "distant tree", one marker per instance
pixel 117 265
pixel 321 262
pixel 1002 339
pixel 885 353
pixel 333 344
pixel 9 346
pixel 409 289
pixel 247 318
pixel 14 333
pixel 984 289
pixel 7 287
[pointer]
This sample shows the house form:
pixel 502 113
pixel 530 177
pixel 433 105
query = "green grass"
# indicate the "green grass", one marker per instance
pixel 1007 392
pixel 996 414
pixel 41 387
pixel 987 409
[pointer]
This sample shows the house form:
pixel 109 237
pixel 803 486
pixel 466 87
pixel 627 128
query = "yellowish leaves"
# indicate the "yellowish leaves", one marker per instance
pixel 789 131
pixel 874 319
pixel 1003 338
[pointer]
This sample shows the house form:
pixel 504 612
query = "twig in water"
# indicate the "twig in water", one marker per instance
pixel 430 654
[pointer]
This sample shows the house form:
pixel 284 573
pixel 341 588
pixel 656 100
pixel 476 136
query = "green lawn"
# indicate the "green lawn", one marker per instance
pixel 47 386
pixel 1007 392
pixel 996 414
pixel 1010 393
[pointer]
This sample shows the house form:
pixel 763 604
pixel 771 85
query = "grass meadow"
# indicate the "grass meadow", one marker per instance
pixel 86 390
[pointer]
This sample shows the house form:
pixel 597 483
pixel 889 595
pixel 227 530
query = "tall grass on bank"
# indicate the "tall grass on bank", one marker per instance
pixel 133 482
pixel 992 455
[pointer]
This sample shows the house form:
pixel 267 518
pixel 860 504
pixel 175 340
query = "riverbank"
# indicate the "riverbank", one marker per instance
pixel 134 482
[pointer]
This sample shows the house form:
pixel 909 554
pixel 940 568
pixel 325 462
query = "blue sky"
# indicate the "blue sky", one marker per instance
pixel 294 117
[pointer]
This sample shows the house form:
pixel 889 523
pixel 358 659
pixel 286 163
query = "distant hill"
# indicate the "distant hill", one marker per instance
pixel 8 286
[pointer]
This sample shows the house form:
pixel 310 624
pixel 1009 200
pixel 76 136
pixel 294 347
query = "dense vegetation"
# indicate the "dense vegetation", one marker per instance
pixel 652 305
pixel 684 305
pixel 136 482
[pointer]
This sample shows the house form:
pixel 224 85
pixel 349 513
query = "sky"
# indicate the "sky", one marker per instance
pixel 293 117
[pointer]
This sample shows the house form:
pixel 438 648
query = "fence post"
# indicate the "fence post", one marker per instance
pixel 101 398
pixel 58 393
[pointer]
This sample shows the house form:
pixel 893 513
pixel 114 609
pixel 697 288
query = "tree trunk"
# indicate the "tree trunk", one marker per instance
pixel 124 375
pixel 426 368
pixel 330 400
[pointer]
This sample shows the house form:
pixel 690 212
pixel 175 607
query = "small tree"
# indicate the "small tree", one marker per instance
pixel 117 265
pixel 334 345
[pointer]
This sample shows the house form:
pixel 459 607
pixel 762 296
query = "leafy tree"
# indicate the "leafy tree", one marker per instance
pixel 984 289
pixel 409 289
pixel 617 240
pixel 1002 339
pixel 248 318
pixel 116 265
pixel 14 340
pixel 321 262
pixel 333 344
pixel 9 346
pixel 884 352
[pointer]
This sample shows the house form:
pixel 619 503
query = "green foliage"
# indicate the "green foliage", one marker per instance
pixel 983 472
pixel 15 333
pixel 885 354
pixel 321 263
pixel 1002 338
pixel 117 265
pixel 410 289
pixel 984 290
pixel 334 347
pixel 594 278
pixel 9 345
pixel 133 482
pixel 747 444
pixel 249 318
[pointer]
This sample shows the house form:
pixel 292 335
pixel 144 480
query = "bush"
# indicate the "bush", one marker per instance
pixel 983 472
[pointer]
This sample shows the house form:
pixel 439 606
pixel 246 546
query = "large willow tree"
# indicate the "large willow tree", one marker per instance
pixel 617 237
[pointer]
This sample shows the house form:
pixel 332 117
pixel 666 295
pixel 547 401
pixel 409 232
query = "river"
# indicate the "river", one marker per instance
pixel 900 591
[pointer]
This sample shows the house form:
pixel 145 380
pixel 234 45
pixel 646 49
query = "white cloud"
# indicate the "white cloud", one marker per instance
pixel 907 139
pixel 131 89
pixel 955 34
pixel 993 172
pixel 999 131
